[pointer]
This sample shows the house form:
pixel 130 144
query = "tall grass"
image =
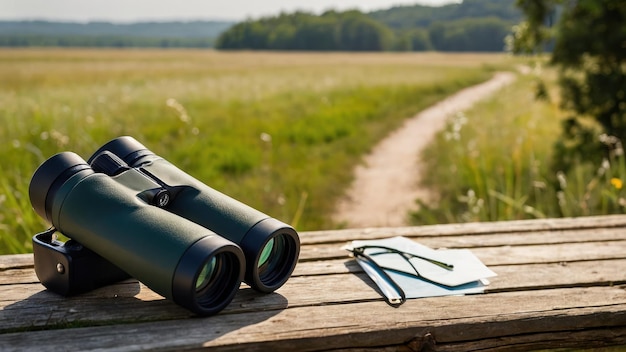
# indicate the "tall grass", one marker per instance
pixel 278 131
pixel 493 163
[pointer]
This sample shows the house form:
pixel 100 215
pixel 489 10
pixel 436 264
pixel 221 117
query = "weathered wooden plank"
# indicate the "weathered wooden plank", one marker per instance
pixel 368 324
pixel 593 339
pixel 27 305
pixel 323 259
pixel 472 334
pixel 450 236
pixel 560 252
pixel 521 238
pixel 510 239
pixel 579 273
pixel 557 277
pixel 16 261
pixel 18 276
pixel 555 253
pixel 496 227
pixel 466 235
pixel 533 275
pixel 122 303
pixel 506 254
pixel 491 257
pixel 576 274
pixel 609 268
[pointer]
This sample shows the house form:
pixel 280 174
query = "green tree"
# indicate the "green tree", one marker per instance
pixel 361 33
pixel 472 34
pixel 420 40
pixel 590 53
pixel 282 36
pixel 421 16
pixel 317 33
pixel 416 39
pixel 350 30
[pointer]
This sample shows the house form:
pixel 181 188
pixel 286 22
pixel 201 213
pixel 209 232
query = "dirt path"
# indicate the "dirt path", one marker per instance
pixel 385 187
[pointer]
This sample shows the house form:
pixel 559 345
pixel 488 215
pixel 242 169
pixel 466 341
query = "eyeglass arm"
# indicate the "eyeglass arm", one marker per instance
pixel 394 295
pixel 447 266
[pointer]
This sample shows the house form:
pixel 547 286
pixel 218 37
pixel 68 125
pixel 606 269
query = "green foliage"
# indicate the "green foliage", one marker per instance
pixel 194 34
pixel 590 54
pixel 496 166
pixel 190 29
pixel 103 41
pixel 346 31
pixel 477 34
pixel 473 25
pixel 420 16
pixel 413 40
pixel 280 132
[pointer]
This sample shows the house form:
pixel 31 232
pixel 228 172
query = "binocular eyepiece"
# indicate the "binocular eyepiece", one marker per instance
pixel 132 213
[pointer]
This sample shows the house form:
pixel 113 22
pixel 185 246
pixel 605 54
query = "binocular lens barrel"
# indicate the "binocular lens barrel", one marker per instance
pixel 273 257
pixel 175 257
pixel 271 247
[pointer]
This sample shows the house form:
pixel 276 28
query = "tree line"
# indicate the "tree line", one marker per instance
pixel 421 16
pixel 193 34
pixel 349 30
pixel 190 29
pixel 472 34
pixel 473 25
pixel 111 41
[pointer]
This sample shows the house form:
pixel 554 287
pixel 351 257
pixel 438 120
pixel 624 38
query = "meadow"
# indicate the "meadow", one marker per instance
pixel 278 131
pixel 498 161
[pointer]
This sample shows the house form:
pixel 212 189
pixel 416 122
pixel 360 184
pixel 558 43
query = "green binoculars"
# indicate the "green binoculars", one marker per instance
pixel 129 212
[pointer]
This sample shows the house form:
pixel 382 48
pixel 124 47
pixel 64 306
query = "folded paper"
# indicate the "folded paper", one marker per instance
pixel 402 268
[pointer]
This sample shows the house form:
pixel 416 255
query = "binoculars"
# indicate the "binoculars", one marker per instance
pixel 129 213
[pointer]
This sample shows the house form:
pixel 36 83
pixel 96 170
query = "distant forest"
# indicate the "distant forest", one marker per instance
pixel 473 25
pixel 196 34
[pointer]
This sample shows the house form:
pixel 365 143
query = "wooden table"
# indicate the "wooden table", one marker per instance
pixel 561 283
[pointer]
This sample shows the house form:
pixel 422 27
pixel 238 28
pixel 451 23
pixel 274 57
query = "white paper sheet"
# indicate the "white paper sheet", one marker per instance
pixel 466 275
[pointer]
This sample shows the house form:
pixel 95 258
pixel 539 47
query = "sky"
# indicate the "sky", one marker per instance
pixel 182 10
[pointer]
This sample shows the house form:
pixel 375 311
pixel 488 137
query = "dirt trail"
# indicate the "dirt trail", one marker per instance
pixel 386 186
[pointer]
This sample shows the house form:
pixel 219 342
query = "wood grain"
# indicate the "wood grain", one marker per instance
pixel 560 283
pixel 448 319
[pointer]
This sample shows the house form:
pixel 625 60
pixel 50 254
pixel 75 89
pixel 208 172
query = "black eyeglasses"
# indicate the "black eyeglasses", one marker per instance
pixel 382 279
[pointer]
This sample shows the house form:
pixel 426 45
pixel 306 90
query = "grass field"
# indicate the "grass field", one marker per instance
pixel 497 164
pixel 278 131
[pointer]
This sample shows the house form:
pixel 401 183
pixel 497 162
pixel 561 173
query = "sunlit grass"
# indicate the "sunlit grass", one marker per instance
pixel 278 131
pixel 493 162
